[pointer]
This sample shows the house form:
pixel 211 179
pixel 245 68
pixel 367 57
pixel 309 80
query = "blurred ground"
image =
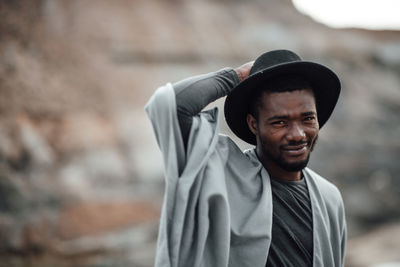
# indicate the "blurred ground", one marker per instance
pixel 80 174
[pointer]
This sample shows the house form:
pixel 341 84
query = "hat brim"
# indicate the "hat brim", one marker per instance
pixel 324 82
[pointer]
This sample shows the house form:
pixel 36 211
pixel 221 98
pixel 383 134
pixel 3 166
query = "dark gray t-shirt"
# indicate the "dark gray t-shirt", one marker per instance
pixel 292 233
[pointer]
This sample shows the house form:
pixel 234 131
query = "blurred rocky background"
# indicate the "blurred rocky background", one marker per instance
pixel 80 173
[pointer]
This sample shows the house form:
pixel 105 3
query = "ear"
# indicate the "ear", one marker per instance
pixel 252 123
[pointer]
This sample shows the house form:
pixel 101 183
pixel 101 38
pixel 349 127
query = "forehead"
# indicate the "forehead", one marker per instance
pixel 285 103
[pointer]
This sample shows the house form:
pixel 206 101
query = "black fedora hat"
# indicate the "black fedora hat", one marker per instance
pixel 324 82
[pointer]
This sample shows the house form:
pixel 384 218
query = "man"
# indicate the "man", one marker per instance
pixel 261 207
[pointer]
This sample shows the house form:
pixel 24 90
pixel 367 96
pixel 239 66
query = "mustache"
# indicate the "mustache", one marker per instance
pixel 309 142
pixel 296 143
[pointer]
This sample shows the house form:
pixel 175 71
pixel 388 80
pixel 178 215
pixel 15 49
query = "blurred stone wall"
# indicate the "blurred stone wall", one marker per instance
pixel 80 173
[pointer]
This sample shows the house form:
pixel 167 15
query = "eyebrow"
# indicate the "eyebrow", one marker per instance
pixel 277 117
pixel 283 117
pixel 308 113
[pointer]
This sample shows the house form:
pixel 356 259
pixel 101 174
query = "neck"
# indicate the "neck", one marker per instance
pixel 276 171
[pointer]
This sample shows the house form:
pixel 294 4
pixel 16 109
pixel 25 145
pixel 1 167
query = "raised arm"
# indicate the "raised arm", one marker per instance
pixel 194 93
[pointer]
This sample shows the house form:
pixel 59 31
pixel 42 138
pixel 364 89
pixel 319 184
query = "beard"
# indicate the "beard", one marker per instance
pixel 283 163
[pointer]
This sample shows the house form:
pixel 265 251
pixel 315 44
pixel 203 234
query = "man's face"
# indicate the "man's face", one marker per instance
pixel 286 129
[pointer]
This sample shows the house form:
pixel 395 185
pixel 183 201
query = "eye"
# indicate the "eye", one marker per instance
pixel 309 119
pixel 278 123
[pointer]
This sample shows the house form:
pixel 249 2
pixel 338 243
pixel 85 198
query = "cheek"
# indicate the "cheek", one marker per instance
pixel 271 133
pixel 271 137
pixel 312 133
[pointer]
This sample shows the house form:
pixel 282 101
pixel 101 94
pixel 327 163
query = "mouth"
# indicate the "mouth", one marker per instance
pixel 296 150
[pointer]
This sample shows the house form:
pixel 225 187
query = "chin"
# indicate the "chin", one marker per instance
pixel 294 166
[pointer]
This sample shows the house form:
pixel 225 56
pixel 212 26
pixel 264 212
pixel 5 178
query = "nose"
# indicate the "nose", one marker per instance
pixel 295 133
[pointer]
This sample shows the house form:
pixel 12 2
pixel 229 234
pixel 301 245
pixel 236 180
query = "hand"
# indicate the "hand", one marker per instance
pixel 244 70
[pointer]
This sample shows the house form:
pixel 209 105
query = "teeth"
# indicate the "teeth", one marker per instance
pixel 295 148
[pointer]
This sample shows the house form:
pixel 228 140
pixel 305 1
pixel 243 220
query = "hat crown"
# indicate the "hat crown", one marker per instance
pixel 273 58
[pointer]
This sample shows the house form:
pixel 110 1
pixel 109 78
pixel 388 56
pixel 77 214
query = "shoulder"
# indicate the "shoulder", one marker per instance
pixel 327 189
pixel 322 183
pixel 227 142
pixel 235 155
pixel 228 147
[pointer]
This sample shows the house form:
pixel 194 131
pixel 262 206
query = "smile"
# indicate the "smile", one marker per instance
pixel 295 151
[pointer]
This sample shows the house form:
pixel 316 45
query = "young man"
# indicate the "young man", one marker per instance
pixel 261 207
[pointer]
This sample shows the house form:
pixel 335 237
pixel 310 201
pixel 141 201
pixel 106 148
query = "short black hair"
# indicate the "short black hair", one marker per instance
pixel 276 84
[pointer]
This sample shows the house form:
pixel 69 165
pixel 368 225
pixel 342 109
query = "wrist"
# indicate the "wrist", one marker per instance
pixel 244 71
pixel 239 74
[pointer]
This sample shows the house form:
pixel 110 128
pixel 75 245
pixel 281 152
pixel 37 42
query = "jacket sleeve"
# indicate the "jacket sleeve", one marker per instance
pixel 194 93
pixel 188 234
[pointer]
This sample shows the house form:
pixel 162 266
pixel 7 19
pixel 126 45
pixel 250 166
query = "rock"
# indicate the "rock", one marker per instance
pixel 377 248
pixel 81 132
pixel 88 219
pixel 139 145
pixel 97 169
pixel 389 54
pixel 32 140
